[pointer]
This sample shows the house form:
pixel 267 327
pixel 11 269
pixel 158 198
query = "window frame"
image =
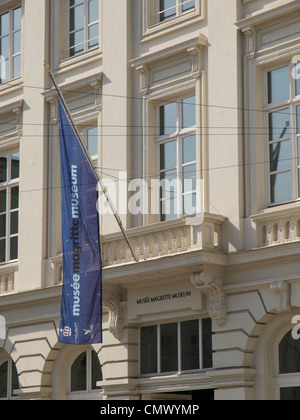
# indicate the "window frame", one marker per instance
pixel 284 380
pixel 11 55
pixel 179 350
pixel 178 136
pixel 89 366
pixel 85 29
pixel 9 386
pixel 291 104
pixel 8 186
pixel 178 7
pixel 83 130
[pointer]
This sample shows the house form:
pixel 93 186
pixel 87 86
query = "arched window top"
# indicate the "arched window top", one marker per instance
pixel 9 380
pixel 86 371
pixel 289 355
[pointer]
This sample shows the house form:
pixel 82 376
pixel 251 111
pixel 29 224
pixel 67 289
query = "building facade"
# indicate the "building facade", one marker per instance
pixel 191 113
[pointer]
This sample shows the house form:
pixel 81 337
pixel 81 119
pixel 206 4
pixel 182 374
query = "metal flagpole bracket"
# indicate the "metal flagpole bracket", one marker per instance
pixel 117 217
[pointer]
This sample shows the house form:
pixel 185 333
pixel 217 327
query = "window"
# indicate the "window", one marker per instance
pixel 177 158
pixel 83 26
pixel 89 135
pixel 174 347
pixel 10 44
pixel 86 372
pixel 9 380
pixel 169 9
pixel 289 368
pixel 284 135
pixel 9 206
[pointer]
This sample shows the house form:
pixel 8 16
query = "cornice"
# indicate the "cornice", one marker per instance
pixel 271 17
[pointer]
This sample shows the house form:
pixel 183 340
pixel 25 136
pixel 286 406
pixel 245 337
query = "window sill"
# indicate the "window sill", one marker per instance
pixel 79 60
pixel 163 28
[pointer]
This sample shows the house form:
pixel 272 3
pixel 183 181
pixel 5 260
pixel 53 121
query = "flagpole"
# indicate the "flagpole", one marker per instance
pixel 117 217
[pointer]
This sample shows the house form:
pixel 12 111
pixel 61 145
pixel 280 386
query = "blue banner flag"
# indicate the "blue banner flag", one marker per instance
pixel 81 308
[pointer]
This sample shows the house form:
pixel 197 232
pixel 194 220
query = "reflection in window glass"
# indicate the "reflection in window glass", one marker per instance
pixel 168 119
pixel 289 354
pixel 190 345
pixel 169 347
pixel 148 349
pixel 3 380
pixel 83 26
pixel 78 374
pixel 290 394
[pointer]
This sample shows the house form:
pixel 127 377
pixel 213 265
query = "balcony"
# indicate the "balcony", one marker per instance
pixel 278 226
pixel 163 239
pixel 179 236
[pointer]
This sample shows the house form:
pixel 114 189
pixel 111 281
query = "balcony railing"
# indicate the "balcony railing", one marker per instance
pixel 163 239
pixel 277 227
pixel 158 240
pixel 7 279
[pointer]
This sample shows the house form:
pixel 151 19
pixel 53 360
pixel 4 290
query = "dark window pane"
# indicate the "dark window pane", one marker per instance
pixel 148 350
pixel 168 118
pixel 289 354
pixel 14 248
pixel 78 374
pixel 2 250
pixel 96 370
pixel 14 222
pixel 15 378
pixel 207 352
pixel 169 347
pixel 14 204
pixel 2 201
pixel 290 394
pixel 278 85
pixel 3 380
pixel 15 165
pixel 2 225
pixel 3 169
pixel 190 345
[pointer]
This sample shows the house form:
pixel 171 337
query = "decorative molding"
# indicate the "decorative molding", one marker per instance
pixel 111 301
pixel 212 284
pixel 281 289
pixel 250 35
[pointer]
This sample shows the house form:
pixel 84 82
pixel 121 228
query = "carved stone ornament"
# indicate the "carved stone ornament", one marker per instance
pixel 212 284
pixel 281 289
pixel 115 323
